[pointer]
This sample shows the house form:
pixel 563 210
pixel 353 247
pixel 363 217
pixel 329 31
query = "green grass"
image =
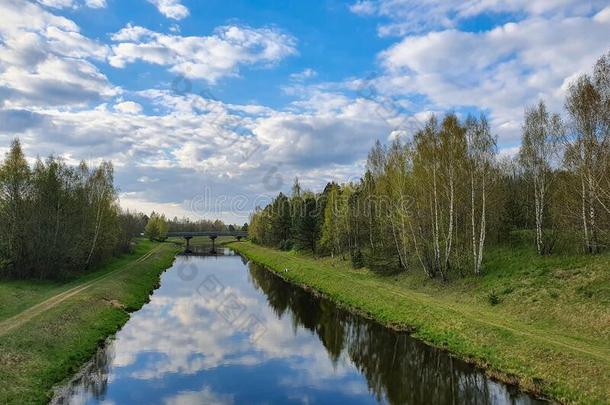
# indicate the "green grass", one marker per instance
pixel 17 295
pixel 51 347
pixel 548 329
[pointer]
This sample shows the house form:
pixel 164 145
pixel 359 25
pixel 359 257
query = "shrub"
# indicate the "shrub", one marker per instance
pixel 357 259
pixel 493 298
pixel 286 244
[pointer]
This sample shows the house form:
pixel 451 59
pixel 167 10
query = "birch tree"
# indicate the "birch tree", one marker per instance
pixel 14 189
pixel 330 238
pixel 481 153
pixel 426 167
pixel 452 137
pixel 397 180
pixel 541 134
pixel 588 106
pixel 56 219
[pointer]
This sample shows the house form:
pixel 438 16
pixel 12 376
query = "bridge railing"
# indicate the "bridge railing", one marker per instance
pixel 241 234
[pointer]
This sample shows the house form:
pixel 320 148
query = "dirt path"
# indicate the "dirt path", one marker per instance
pixel 17 320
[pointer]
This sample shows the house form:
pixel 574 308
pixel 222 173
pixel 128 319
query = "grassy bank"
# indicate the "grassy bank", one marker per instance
pixel 49 330
pixel 543 323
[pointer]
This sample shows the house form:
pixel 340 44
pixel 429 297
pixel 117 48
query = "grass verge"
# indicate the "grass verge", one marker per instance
pixel 52 346
pixel 546 330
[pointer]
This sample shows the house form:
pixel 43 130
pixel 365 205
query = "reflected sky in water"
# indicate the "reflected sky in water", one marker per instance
pixel 222 331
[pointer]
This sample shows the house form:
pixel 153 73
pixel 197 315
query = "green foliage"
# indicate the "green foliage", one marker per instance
pixel 156 228
pixel 307 231
pixel 288 221
pixel 493 298
pixel 330 235
pixel 357 259
pixel 439 201
pixel 531 336
pixel 38 355
pixel 287 244
pixel 187 225
pixel 58 219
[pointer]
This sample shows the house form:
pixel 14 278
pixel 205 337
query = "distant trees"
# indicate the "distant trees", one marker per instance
pixel 157 227
pixel 57 218
pixel 131 225
pixel 437 201
pixel 187 225
pixel 418 203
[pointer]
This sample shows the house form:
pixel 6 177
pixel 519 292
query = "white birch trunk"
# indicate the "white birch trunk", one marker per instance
pixel 483 228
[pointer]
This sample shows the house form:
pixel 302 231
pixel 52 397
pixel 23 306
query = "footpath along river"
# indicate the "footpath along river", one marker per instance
pixel 221 330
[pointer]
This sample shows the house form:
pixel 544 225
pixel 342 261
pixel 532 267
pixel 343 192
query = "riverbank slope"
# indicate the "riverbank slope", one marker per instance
pixel 48 330
pixel 538 322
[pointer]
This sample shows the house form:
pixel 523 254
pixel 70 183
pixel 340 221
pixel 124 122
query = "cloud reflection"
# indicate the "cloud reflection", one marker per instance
pixel 178 348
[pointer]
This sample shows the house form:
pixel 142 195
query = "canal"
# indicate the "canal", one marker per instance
pixel 220 330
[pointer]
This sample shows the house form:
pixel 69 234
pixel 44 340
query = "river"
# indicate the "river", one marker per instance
pixel 220 330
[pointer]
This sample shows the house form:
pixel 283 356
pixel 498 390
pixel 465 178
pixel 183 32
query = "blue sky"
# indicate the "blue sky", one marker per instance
pixel 207 108
pixel 330 39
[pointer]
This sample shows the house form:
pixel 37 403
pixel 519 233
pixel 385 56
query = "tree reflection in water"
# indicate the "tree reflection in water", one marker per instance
pixel 92 380
pixel 397 368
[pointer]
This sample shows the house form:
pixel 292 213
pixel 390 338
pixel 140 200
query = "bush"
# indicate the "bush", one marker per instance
pixel 493 298
pixel 286 244
pixel 357 259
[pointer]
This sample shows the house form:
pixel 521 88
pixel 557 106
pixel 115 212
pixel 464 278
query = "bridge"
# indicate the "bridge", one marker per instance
pixel 210 234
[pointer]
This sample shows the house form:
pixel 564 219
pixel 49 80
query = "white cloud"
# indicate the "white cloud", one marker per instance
pixel 413 16
pixel 204 396
pixel 54 81
pixel 304 75
pixel 243 144
pixel 210 57
pixel 57 99
pixel 59 4
pixel 501 70
pixel 128 107
pixel 508 153
pixel 96 3
pixel 603 16
pixel 44 60
pixel 171 8
pixel 20 16
pixel 364 7
pixel 74 45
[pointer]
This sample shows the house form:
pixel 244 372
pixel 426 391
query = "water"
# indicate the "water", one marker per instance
pixel 222 331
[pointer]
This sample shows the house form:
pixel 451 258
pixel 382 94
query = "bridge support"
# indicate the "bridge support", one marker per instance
pixel 213 237
pixel 188 244
pixel 238 238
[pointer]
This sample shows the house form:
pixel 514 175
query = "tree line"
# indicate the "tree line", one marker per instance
pixel 157 226
pixel 440 199
pixel 56 219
